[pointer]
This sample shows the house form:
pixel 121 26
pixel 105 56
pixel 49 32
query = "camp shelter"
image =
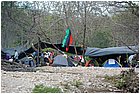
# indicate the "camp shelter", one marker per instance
pixel 111 63
pixel 11 51
pixel 100 55
pixel 96 52
pixel 49 45
pixel 60 60
pixel 59 46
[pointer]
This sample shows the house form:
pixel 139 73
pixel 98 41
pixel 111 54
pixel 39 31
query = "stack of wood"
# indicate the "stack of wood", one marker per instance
pixel 14 66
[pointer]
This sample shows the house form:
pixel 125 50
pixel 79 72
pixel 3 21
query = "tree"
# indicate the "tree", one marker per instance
pixel 25 21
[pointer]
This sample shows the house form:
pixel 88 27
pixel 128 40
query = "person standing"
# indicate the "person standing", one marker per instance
pixel 16 56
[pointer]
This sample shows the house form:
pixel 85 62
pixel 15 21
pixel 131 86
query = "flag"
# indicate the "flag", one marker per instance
pixel 67 39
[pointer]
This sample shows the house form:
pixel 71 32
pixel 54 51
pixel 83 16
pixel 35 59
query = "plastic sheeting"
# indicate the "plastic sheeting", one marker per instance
pixel 95 52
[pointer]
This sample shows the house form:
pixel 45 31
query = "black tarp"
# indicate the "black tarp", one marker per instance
pixel 25 51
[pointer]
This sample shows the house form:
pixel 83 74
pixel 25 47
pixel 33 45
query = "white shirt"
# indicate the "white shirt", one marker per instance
pixel 46 56
pixel 11 60
pixel 130 58
pixel 16 55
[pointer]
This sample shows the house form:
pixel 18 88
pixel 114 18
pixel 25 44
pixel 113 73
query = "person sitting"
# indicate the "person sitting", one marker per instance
pixel 8 56
pixel 47 58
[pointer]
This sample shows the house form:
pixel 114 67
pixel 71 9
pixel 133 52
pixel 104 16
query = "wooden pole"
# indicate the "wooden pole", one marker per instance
pixel 84 32
pixel 38 50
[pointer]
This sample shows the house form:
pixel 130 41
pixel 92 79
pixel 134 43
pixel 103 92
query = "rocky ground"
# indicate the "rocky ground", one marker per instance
pixel 69 79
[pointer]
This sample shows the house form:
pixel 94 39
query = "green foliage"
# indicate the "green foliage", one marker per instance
pixel 128 81
pixel 111 79
pixel 87 58
pixel 95 62
pixel 18 42
pixel 44 89
pixel 69 54
pixel 26 18
pixel 101 39
pixel 76 83
pixel 48 49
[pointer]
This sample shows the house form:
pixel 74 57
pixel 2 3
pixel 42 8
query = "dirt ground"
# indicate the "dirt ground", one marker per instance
pixel 89 79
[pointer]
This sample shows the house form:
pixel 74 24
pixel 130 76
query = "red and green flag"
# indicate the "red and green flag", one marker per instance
pixel 67 39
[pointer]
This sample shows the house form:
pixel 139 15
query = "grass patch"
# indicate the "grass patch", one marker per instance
pixel 77 83
pixel 44 89
pixel 111 79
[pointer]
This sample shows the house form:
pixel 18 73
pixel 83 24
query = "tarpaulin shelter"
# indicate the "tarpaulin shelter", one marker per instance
pixel 102 54
pixel 11 51
pixel 96 52
pixel 25 51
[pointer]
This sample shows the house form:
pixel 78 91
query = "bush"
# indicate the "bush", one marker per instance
pixel 128 81
pixel 44 89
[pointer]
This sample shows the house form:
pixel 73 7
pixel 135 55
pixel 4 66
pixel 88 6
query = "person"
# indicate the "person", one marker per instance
pixel 8 56
pixel 16 56
pixel 133 60
pixel 36 55
pixel 130 58
pixel 77 58
pixel 46 56
pixel 81 58
pixel 51 55
pixel 31 61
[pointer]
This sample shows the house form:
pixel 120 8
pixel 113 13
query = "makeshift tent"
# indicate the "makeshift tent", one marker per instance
pixel 111 63
pixel 62 61
pixel 103 54
pixel 11 51
pixel 25 51
pixel 96 52
pixel 48 45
